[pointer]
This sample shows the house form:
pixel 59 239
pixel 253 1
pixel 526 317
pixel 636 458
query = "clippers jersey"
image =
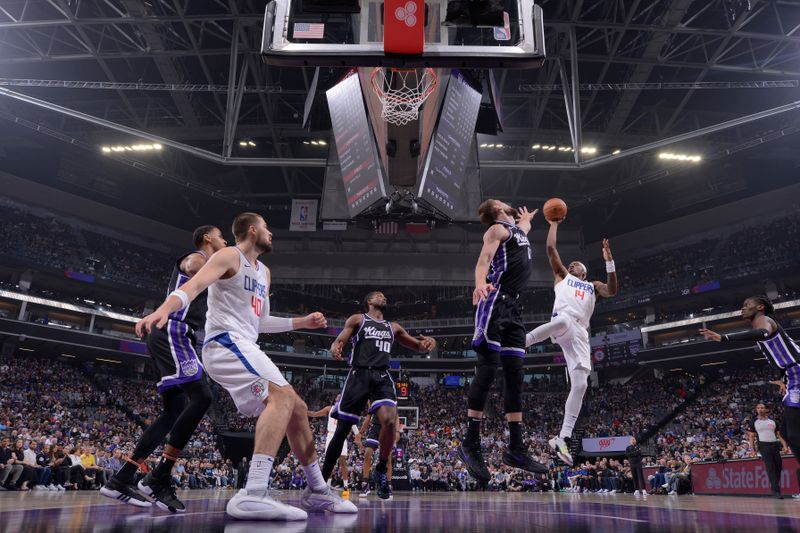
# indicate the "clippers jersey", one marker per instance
pixel 574 298
pixel 239 303
pixel 782 352
pixel 372 344
pixel 194 315
pixel 512 263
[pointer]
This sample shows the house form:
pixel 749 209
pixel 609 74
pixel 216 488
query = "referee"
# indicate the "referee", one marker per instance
pixel 769 443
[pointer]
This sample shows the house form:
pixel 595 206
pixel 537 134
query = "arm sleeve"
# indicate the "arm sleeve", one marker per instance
pixel 275 324
pixel 750 335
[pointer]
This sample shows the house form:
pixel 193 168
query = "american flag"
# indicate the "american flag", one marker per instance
pixel 387 228
pixel 305 30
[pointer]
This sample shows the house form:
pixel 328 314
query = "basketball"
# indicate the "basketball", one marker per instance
pixel 555 209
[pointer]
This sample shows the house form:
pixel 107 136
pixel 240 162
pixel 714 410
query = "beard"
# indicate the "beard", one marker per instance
pixel 265 246
pixel 379 306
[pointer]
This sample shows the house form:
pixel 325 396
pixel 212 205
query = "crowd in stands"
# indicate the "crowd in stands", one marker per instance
pixel 70 425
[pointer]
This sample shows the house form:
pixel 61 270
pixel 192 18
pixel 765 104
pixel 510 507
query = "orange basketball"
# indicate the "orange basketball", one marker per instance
pixel 555 209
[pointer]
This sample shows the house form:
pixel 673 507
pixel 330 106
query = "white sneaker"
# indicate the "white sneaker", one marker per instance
pixel 39 487
pixel 796 496
pixel 559 446
pixel 326 500
pixel 259 506
pixel 672 493
pixel 60 487
pixel 51 487
pixel 665 486
pixel 636 493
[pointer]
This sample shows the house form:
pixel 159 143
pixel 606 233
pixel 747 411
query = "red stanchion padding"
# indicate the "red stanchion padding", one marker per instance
pixel 404 26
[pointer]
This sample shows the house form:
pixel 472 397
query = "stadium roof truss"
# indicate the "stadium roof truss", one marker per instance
pixel 188 73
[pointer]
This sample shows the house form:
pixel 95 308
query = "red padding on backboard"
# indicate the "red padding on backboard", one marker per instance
pixel 404 26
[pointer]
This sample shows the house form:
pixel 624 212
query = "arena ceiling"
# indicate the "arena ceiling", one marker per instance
pixel 647 70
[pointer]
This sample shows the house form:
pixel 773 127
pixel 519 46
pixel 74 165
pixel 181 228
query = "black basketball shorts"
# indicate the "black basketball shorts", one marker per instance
pixel 174 352
pixel 499 326
pixel 360 386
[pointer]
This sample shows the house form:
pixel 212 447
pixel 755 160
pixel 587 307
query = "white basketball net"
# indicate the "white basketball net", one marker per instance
pixel 402 92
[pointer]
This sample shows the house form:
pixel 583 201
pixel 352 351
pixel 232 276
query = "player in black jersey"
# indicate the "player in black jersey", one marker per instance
pixel 174 350
pixel 372 429
pixel 369 380
pixel 781 351
pixel 503 269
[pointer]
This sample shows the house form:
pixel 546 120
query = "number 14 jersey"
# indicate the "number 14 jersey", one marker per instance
pixel 372 344
pixel 574 298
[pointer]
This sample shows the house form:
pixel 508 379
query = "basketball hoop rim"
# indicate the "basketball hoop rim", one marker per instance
pixel 383 96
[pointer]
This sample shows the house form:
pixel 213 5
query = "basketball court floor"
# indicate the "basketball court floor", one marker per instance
pixel 432 512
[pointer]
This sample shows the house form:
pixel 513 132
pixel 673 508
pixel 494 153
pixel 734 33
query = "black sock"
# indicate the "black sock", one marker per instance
pixel 164 468
pixel 382 465
pixel 126 473
pixel 473 431
pixel 515 431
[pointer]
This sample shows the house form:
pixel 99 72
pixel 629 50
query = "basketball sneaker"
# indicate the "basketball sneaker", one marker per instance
pixel 326 500
pixel 384 487
pixel 472 457
pixel 257 505
pixel 162 491
pixel 117 490
pixel 521 459
pixel 560 446
pixel 364 489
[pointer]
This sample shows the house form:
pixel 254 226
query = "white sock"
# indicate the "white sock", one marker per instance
pixel 258 476
pixel 314 477
pixel 555 328
pixel 345 483
pixel 578 381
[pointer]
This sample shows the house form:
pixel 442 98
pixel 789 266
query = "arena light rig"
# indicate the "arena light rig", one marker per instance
pixel 154 147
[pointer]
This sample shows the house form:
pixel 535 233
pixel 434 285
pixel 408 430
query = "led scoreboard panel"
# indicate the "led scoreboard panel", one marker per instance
pixel 444 176
pixel 355 146
pixel 401 388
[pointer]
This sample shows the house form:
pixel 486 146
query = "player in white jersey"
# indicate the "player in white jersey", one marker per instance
pixel 238 310
pixel 332 422
pixel 569 328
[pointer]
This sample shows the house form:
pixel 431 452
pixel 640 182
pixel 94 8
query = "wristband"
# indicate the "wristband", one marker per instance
pixel 182 296
pixel 610 268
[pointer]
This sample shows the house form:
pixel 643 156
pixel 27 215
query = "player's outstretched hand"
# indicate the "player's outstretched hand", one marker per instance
pixel 607 251
pixel 781 386
pixel 314 321
pixel 427 343
pixel 710 335
pixel 481 292
pixel 336 350
pixel 524 214
pixel 157 318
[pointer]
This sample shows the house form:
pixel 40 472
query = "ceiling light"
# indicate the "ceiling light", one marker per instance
pixel 242 143
pixel 26 349
pixel 498 146
pixel 536 146
pixel 680 157
pixel 306 142
pixel 323 143
pixel 484 145
pixel 551 147
pixel 251 143
pixel 491 145
pixel 615 152
pixel 106 360
pixel 139 147
pixel 588 150
pixel 68 355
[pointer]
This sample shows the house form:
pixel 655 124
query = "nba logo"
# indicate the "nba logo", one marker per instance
pixel 504 33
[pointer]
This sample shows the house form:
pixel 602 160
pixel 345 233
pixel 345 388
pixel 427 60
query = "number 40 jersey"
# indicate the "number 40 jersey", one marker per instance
pixel 372 344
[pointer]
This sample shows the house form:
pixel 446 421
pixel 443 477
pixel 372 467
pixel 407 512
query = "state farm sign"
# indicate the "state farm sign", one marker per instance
pixel 748 476
pixel 606 444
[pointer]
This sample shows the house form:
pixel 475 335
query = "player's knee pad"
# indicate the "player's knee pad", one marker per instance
pixel 481 383
pixel 514 376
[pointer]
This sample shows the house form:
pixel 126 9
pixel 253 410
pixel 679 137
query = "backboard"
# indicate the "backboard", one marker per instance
pixel 404 33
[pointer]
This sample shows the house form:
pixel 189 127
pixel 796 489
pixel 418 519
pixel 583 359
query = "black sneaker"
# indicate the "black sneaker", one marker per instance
pixel 521 459
pixel 364 489
pixel 384 488
pixel 162 491
pixel 117 490
pixel 472 457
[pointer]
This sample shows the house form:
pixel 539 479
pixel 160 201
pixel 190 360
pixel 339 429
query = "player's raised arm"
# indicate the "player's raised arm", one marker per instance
pixel 491 241
pixel 609 288
pixel 350 327
pixel 552 252
pixel 421 344
pixel 217 265
pixel 525 218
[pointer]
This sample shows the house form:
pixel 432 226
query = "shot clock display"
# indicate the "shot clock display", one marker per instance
pixel 401 388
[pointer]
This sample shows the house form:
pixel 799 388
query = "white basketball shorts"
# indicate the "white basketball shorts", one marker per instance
pixel 242 369
pixel 575 344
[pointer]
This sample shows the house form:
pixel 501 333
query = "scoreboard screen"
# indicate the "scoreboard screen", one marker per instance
pixel 401 388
